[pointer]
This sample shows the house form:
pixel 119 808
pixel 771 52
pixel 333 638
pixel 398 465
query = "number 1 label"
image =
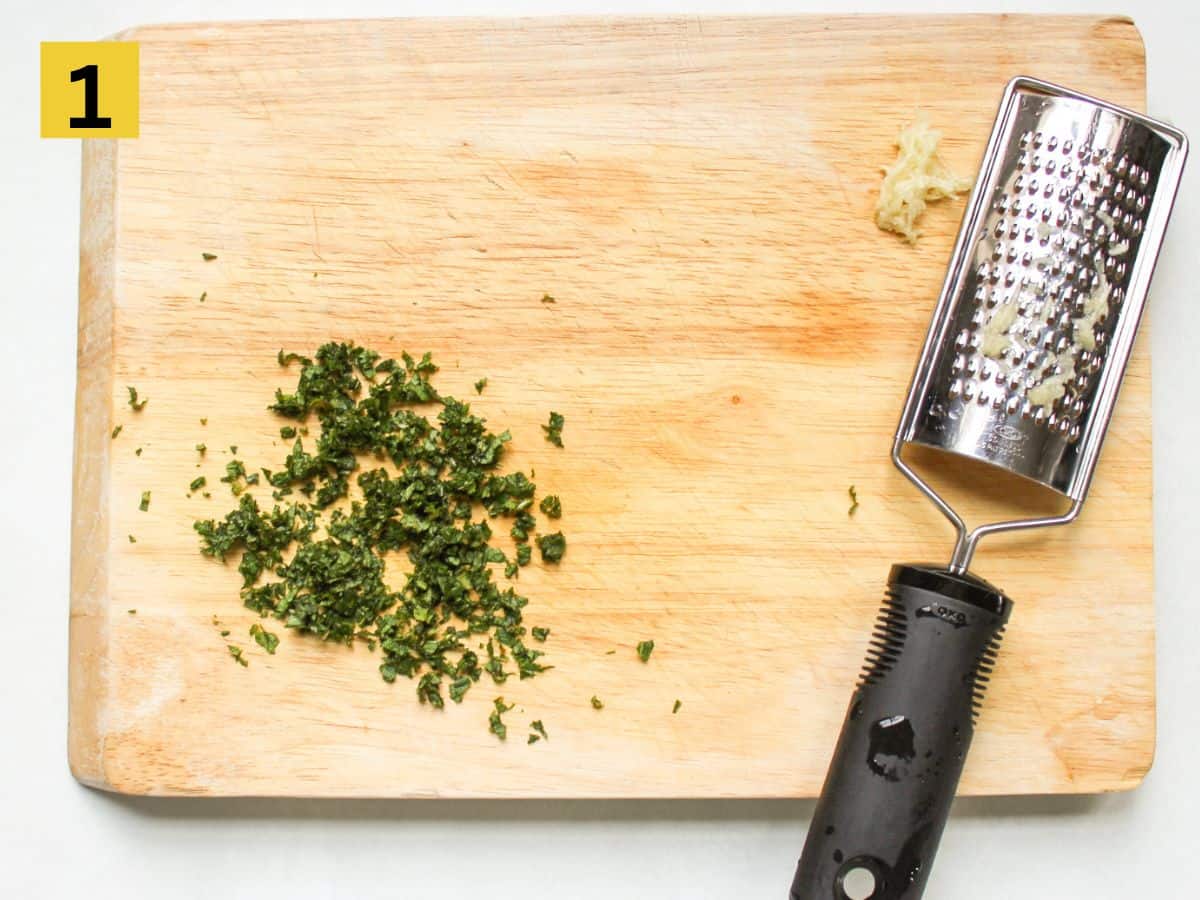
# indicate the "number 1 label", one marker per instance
pixel 107 105
pixel 90 76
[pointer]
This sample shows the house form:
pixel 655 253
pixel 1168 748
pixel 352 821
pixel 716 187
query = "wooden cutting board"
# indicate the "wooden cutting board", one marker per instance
pixel 731 344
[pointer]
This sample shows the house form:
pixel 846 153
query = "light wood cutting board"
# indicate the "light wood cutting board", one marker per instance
pixel 731 344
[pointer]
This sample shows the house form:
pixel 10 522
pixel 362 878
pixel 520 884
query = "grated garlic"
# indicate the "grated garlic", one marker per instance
pixel 1095 307
pixel 995 332
pixel 915 178
pixel 1056 385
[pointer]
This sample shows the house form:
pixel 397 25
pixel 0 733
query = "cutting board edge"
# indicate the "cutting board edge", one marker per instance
pixel 117 782
pixel 88 657
pixel 151 30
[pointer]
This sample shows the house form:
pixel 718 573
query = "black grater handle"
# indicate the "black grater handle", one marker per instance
pixel 888 791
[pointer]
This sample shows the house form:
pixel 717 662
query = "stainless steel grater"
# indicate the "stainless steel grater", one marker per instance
pixel 1020 369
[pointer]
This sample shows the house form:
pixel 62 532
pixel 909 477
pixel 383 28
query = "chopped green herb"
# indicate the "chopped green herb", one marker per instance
pixel 236 477
pixel 132 539
pixel 287 432
pixel 480 385
pixel 553 546
pixel 233 449
pixel 145 504
pixel 540 634
pixel 551 506
pixel 116 431
pixel 225 632
pixel 204 421
pixel 853 500
pixel 132 612
pixel 523 525
pixel 265 639
pixel 644 649
pixel 524 554
pixel 206 495
pixel 675 708
pixel 203 296
pixel 533 739
pixel 197 483
pixel 137 452
pixel 596 702
pixel 319 568
pixel 236 653
pixel 554 429
pixel 135 404
pixel 208 257
pixel 495 724
pixel 201 449
pixel 546 298
pixel 537 726
pixel 610 652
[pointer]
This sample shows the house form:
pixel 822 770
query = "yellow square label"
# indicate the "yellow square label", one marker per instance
pixel 90 90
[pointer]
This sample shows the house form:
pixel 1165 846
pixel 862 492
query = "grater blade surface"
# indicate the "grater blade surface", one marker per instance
pixel 1046 286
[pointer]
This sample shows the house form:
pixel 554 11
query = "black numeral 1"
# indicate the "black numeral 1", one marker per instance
pixel 90 76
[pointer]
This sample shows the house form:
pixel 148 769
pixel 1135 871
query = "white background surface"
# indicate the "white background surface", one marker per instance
pixel 58 839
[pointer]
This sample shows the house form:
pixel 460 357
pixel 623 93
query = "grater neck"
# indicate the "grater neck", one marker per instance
pixel 968 540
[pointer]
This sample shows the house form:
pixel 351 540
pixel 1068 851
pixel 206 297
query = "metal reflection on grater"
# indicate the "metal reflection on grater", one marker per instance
pixel 1046 287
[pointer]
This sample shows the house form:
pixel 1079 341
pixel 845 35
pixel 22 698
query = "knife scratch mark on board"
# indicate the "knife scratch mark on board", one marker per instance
pixel 316 241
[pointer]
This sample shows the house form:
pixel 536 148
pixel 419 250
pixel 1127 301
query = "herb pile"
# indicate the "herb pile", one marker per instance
pixel 320 570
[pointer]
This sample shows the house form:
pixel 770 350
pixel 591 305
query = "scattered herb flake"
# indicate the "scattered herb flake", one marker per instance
pixel 596 702
pixel 145 504
pixel 135 404
pixel 540 634
pixel 644 649
pixel 537 726
pixel 197 483
pixel 203 296
pixel 675 708
pixel 204 421
pixel 546 298
pixel 551 506
pixel 236 652
pixel 533 739
pixel 610 652
pixel 132 539
pixel 853 501
pixel 225 632
pixel 264 638
pixel 202 449
pixel 208 257
pixel 553 546
pixel 236 477
pixel 116 431
pixel 132 612
pixel 554 429
pixel 137 452
pixel 233 449
pixel 480 385
pixel 495 724
pixel 287 432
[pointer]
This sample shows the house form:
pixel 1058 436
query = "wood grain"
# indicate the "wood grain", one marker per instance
pixel 730 345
